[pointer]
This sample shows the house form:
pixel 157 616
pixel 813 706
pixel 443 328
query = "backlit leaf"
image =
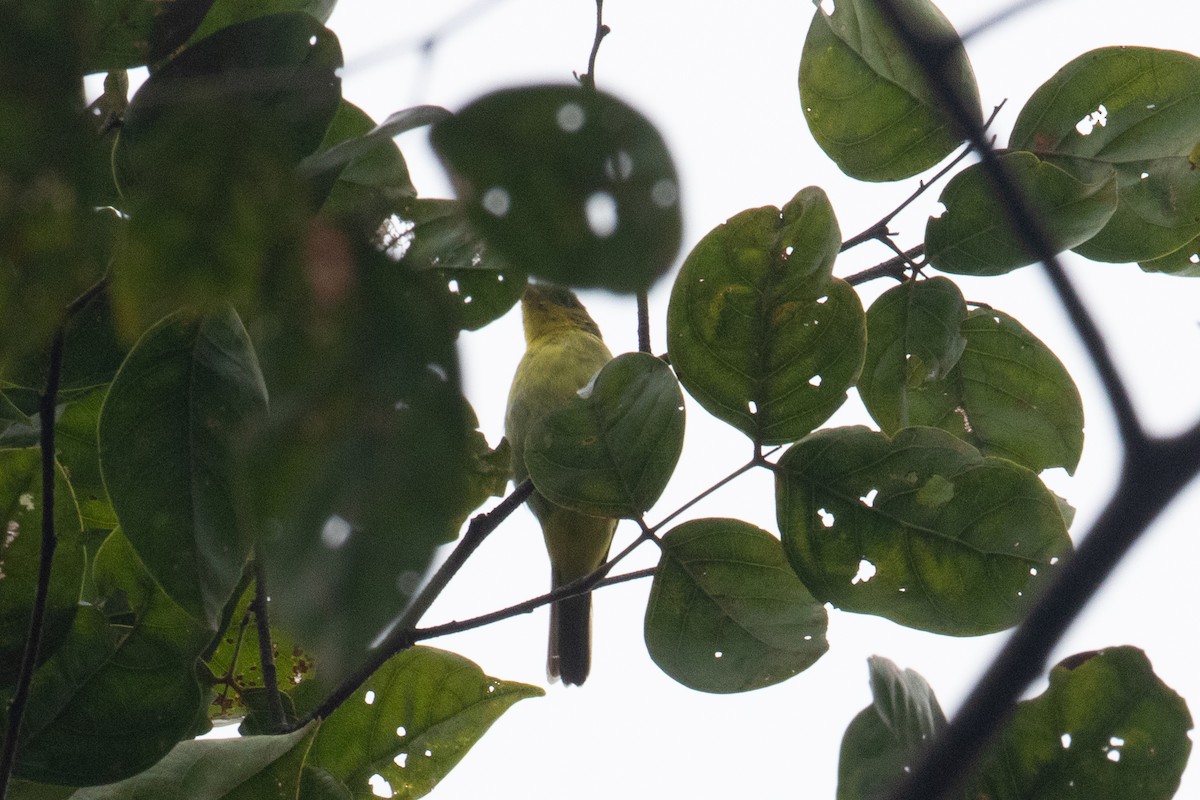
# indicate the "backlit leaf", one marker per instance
pixel 920 529
pixel 726 613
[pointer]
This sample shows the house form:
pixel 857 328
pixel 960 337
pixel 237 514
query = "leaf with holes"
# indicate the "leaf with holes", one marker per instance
pixel 1136 109
pixel 1007 395
pixel 885 739
pixel 726 614
pixel 252 768
pixel 115 697
pixel 412 721
pixel 573 185
pixel 479 286
pixel 169 430
pixel 1071 198
pixel 758 331
pixel 1107 726
pixel 920 529
pixel 611 452
pixel 867 102
pixel 21 510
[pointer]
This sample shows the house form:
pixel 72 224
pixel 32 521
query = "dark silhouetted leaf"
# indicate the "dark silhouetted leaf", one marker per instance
pixel 885 739
pixel 1072 199
pixel 1007 394
pixel 726 613
pixel 867 102
pixel 114 698
pixel 1135 108
pixel 572 185
pixel 255 768
pixel 920 529
pixel 169 432
pixel 412 721
pixel 611 452
pixel 21 510
pixel 758 331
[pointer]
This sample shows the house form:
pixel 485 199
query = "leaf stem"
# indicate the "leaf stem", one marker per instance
pixel 643 310
pixel 266 650
pixel 401 637
pixel 588 79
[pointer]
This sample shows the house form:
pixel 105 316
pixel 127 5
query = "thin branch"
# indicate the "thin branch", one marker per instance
pixel 563 592
pixel 880 229
pixel 16 711
pixel 896 268
pixel 588 79
pixel 643 310
pixel 266 654
pixel 749 465
pixel 400 638
pixel 1000 16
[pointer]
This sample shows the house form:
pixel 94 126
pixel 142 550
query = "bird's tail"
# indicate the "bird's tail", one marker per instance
pixel 570 653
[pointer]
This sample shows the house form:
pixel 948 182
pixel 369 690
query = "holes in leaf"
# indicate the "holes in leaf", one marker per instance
pixel 619 167
pixel 601 212
pixel 26 501
pixel 787 251
pixel 429 754
pixel 1098 118
pixel 827 518
pixel 814 381
pixel 866 571
pixel 369 697
pixel 496 201
pixel 401 760
pixel 1113 755
pixel 827 6
pixel 408 582
pixel 570 117
pixel 335 532
pixel 868 499
pixel 823 299
pixel 1144 175
pixel 1033 571
pixel 1066 741
pixel 453 287
pixel 379 786
pixel 664 193
pixel 718 654
pixel 753 406
pixel 1194 258
pixel 401 731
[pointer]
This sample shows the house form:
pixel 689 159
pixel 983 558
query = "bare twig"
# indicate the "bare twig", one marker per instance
pixel 896 268
pixel 400 638
pixel 588 79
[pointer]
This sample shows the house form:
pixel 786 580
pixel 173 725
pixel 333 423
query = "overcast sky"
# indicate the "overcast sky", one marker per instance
pixel 719 79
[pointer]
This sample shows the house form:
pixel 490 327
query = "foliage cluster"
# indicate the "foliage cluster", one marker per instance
pixel 227 328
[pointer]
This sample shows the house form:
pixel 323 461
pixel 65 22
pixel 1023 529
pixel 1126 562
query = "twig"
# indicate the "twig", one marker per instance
pixel 749 465
pixel 400 638
pixel 37 620
pixel 896 268
pixel 643 310
pixel 880 229
pixel 266 655
pixel 588 79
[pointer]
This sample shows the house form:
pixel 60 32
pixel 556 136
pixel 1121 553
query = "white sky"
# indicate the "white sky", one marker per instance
pixel 719 79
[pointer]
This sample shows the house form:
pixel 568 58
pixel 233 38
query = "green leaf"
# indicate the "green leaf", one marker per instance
pixel 412 721
pixel 920 529
pixel 79 452
pixel 436 235
pixel 1183 263
pixel 758 331
pixel 611 451
pixel 225 13
pixel 207 157
pixel 726 614
pixel 132 33
pixel 363 156
pixel 885 739
pixel 114 698
pixel 255 768
pixel 1008 394
pixel 1071 198
pixel 1136 109
pixel 240 639
pixel 365 465
pixel 21 509
pixel 169 429
pixel 1106 727
pixel 573 185
pixel 867 102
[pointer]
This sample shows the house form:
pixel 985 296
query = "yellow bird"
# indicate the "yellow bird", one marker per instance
pixel 563 351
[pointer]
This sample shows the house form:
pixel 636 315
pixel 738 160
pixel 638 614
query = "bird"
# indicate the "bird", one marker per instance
pixel 563 353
